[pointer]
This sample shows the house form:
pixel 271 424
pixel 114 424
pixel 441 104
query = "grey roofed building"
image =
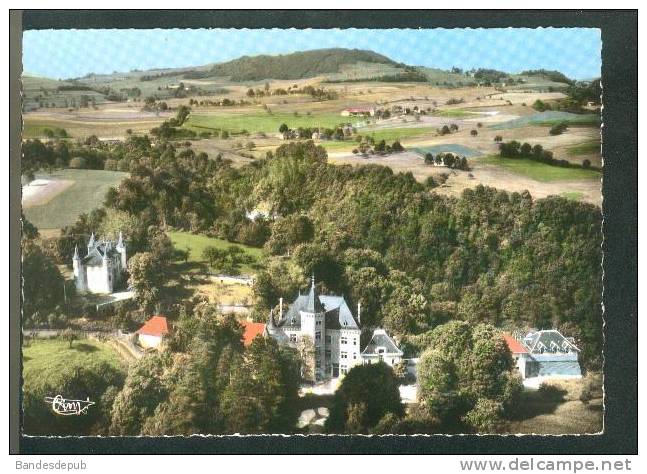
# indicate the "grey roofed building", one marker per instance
pixel 337 313
pixel 548 340
pixel 551 355
pixel 382 347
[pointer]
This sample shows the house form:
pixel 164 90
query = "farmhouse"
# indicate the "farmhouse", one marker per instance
pixel 102 268
pixel 151 334
pixel 358 112
pixel 545 353
pixel 327 322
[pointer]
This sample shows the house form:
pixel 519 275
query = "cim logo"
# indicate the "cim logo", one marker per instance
pixel 61 406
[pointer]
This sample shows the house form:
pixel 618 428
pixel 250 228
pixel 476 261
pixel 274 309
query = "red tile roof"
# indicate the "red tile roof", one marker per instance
pixel 251 331
pixel 515 346
pixel 155 326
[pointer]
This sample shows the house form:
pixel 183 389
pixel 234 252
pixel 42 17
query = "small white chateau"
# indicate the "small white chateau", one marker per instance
pixel 334 331
pixel 102 268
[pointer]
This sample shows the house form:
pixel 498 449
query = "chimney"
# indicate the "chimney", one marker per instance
pixel 280 308
pixel 359 313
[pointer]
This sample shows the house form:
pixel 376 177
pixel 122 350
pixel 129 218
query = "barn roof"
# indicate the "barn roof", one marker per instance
pixel 251 330
pixel 515 346
pixel 155 326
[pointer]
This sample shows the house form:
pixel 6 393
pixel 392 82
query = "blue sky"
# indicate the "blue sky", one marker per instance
pixel 74 53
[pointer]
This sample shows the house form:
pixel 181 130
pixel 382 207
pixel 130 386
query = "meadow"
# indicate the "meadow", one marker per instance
pixel 45 359
pixel 585 148
pixel 562 412
pixel 197 243
pixel 550 118
pixel 87 193
pixel 540 171
pixel 261 121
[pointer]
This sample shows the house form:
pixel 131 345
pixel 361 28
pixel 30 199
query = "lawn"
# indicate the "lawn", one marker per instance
pixel 260 121
pixel 585 148
pixel 87 193
pixel 46 359
pixel 564 413
pixel 539 171
pixel 197 243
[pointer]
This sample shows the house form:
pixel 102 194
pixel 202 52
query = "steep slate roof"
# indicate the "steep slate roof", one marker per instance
pixel 338 314
pixel 98 251
pixel 155 326
pixel 551 340
pixel 515 346
pixel 313 304
pixel 381 339
pixel 251 330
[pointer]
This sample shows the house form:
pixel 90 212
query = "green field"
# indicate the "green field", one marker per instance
pixel 548 119
pixel 260 121
pixel 45 359
pixel 586 148
pixel 572 195
pixel 389 135
pixel 87 193
pixel 453 113
pixel 36 128
pixel 540 171
pixel 197 243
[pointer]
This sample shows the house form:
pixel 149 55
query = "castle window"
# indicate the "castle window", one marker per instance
pixel 293 338
pixel 318 336
pixel 344 355
pixel 328 354
pixel 343 369
pixel 317 323
pixel 354 341
pixel 344 340
pixel 328 339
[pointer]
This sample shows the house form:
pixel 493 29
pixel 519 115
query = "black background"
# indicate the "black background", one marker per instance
pixel 620 228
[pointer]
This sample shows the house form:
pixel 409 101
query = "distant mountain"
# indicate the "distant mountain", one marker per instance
pixel 295 65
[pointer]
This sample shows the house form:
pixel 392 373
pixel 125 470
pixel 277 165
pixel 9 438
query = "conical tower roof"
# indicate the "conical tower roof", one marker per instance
pixel 313 304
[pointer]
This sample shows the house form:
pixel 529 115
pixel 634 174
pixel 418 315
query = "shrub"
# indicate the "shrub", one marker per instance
pixel 78 163
pixel 586 164
pixel 558 129
pixel 473 132
pixel 486 416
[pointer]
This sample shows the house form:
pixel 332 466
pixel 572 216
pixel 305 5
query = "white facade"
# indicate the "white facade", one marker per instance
pixel 328 322
pixel 148 341
pixel 102 268
pixel 335 332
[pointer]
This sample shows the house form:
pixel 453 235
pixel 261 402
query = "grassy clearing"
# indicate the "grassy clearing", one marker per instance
pixel 564 414
pixel 261 121
pixel 87 193
pixel 197 243
pixel 45 359
pixel 586 148
pixel 572 195
pixel 540 171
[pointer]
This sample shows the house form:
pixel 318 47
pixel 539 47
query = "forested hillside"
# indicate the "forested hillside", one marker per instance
pixel 296 65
